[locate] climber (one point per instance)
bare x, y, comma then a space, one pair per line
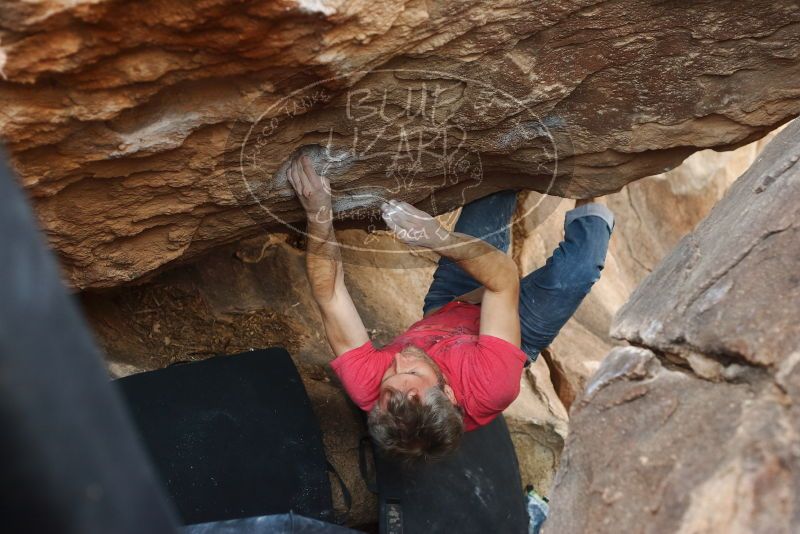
459, 366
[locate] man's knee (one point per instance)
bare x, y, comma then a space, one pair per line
572, 268
581, 276
586, 255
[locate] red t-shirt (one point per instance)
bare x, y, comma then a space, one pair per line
484, 371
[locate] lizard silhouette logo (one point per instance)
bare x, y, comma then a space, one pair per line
426, 137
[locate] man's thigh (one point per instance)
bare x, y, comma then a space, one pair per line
488, 218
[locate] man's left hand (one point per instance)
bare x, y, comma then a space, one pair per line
313, 191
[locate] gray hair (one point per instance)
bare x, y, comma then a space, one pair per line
412, 429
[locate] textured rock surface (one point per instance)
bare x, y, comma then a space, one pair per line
652, 215
654, 448
739, 295
537, 421
122, 116
701, 434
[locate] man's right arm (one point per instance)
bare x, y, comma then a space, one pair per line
498, 275
490, 267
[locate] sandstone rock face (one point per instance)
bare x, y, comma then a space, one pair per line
148, 132
652, 215
698, 429
537, 421
737, 272
654, 448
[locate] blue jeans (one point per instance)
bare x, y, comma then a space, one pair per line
549, 295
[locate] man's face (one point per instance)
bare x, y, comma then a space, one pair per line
413, 373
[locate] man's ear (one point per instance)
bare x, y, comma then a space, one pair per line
450, 394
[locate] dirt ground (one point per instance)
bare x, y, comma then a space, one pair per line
168, 321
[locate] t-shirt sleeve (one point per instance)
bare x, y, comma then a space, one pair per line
361, 370
490, 371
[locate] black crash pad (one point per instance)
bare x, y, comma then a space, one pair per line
233, 437
476, 490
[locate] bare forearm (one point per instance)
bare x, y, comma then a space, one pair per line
486, 264
343, 325
323, 261
490, 267
498, 274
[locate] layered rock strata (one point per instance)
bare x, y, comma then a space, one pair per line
150, 132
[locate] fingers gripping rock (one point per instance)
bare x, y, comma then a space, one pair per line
409, 224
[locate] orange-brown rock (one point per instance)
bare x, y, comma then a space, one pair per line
129, 121
696, 429
652, 215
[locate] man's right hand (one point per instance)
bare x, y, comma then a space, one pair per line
313, 191
413, 226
